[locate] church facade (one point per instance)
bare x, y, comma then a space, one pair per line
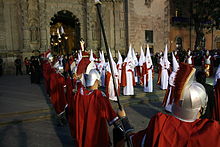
26, 25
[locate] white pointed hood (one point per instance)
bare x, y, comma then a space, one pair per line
129, 55
102, 61
165, 58
113, 64
91, 58
148, 58
102, 57
120, 60
134, 57
142, 58
175, 63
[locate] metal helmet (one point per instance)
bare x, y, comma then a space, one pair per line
190, 96
92, 77
193, 100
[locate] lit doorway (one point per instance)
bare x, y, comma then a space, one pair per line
65, 33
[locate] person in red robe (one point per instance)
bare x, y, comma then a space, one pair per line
183, 127
91, 110
57, 93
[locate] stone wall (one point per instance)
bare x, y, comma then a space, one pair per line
149, 16
25, 26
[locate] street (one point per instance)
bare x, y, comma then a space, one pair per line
27, 118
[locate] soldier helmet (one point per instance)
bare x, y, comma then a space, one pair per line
190, 96
92, 77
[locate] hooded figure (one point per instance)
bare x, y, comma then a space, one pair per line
101, 68
110, 91
167, 102
142, 64
119, 66
165, 67
148, 76
127, 80
136, 65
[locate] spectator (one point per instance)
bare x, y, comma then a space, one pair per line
18, 65
27, 65
201, 78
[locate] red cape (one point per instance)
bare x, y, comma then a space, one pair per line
81, 68
58, 97
166, 130
123, 75
90, 111
107, 81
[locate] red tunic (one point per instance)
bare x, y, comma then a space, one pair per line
58, 97
123, 75
81, 68
91, 110
166, 130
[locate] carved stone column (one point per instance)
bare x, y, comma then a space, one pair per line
43, 31
34, 24
2, 28
25, 28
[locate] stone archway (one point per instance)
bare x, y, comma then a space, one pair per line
64, 32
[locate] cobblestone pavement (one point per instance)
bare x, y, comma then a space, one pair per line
27, 118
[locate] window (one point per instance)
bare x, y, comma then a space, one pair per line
149, 36
148, 2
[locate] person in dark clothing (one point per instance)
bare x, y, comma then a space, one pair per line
1, 66
27, 65
201, 78
18, 66
35, 70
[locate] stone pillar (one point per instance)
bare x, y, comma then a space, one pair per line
2, 28
43, 31
25, 28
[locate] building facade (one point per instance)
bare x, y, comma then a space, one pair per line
26, 26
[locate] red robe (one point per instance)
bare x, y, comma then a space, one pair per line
90, 111
124, 77
70, 96
216, 111
58, 97
108, 76
81, 68
166, 130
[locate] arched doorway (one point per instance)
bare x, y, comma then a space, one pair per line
65, 33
